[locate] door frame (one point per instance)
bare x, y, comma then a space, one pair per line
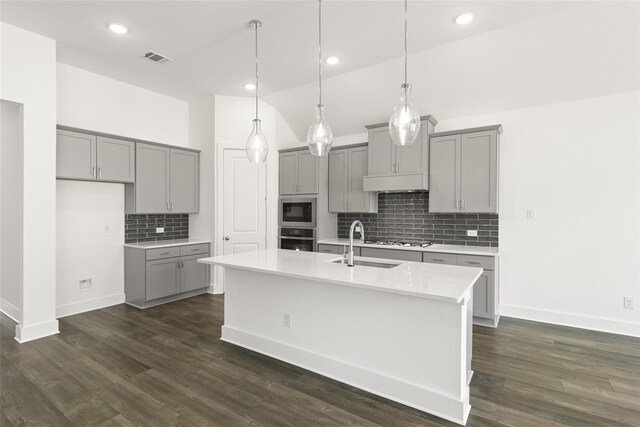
217, 273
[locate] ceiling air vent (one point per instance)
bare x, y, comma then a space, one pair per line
155, 57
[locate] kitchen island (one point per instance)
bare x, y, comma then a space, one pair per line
401, 330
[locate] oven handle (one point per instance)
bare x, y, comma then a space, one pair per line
297, 238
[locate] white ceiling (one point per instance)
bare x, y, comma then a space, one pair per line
212, 47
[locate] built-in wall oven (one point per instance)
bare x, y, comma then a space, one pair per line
297, 212
298, 239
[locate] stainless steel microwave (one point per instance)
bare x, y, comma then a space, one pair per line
297, 212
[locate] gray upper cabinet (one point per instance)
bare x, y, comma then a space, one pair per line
464, 170
152, 179
298, 172
75, 155
398, 168
89, 157
347, 168
115, 160
184, 181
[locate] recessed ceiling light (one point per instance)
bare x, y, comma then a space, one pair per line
332, 60
250, 86
464, 19
118, 28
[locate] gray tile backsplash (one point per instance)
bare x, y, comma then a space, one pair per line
142, 227
405, 216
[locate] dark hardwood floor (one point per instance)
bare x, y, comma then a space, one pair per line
121, 366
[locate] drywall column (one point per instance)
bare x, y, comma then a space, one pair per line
28, 77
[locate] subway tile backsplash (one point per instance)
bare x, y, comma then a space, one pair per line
142, 227
405, 216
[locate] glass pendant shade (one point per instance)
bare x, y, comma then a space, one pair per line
257, 148
319, 136
404, 123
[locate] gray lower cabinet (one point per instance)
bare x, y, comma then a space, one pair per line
347, 168
464, 170
336, 249
167, 181
160, 275
83, 156
298, 172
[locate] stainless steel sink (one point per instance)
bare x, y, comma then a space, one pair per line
367, 263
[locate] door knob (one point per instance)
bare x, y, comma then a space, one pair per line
226, 237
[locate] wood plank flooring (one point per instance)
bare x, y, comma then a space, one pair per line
165, 366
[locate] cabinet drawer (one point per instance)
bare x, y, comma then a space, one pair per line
485, 262
163, 253
194, 249
331, 249
438, 258
396, 254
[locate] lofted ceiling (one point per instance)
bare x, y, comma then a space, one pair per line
212, 47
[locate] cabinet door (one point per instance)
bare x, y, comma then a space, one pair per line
162, 278
338, 180
479, 172
381, 152
331, 249
307, 173
75, 155
444, 183
358, 200
115, 160
414, 158
483, 298
152, 179
193, 275
288, 175
184, 181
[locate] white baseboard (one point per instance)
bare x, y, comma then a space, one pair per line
10, 310
39, 330
88, 305
398, 390
215, 289
573, 320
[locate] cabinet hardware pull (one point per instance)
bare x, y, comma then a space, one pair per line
462, 204
457, 202
167, 205
93, 171
164, 253
99, 172
438, 259
472, 262
195, 250
171, 205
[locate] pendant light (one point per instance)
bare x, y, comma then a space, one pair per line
257, 148
404, 123
319, 136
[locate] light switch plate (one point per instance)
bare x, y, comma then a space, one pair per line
472, 233
531, 214
159, 229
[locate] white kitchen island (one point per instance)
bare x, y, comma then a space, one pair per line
403, 333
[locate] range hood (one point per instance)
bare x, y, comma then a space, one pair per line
396, 169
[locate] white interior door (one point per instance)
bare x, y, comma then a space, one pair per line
243, 203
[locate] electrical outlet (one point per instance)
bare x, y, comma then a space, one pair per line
159, 229
472, 233
531, 214
628, 302
286, 320
85, 283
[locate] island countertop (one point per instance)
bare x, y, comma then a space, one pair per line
447, 283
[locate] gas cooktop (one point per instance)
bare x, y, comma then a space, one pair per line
398, 243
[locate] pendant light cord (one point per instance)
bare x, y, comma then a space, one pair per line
405, 41
320, 52
256, 27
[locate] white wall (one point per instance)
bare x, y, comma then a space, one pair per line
11, 189
94, 102
28, 77
90, 227
578, 164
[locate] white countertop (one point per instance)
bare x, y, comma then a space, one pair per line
166, 243
447, 283
451, 249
